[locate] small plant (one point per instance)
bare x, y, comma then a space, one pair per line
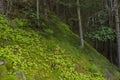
11, 77
49, 31
102, 34
21, 22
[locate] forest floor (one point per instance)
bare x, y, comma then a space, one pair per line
49, 54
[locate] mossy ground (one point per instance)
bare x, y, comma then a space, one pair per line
51, 54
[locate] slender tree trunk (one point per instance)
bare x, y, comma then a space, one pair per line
9, 7
45, 9
1, 7
111, 50
110, 13
38, 11
117, 29
111, 25
80, 25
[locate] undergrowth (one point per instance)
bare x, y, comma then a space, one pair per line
47, 55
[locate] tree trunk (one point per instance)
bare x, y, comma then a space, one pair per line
80, 25
9, 7
38, 11
2, 10
45, 9
111, 50
117, 29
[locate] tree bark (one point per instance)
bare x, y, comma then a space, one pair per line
38, 11
80, 25
2, 7
45, 9
117, 29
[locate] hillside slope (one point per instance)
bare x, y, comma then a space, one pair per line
51, 54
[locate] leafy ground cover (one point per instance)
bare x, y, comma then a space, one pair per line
51, 54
